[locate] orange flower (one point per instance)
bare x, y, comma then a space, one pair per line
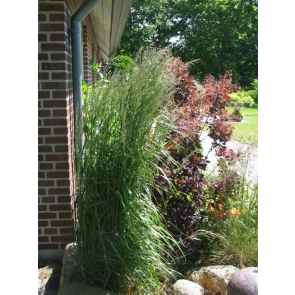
216, 214
234, 212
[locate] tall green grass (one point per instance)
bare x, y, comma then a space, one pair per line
120, 235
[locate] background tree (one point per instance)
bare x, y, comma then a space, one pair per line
223, 34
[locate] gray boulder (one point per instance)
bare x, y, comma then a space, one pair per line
244, 282
185, 287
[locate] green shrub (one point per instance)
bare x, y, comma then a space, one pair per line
247, 104
254, 105
233, 104
122, 63
251, 93
241, 97
255, 91
235, 97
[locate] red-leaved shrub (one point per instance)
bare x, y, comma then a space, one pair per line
184, 192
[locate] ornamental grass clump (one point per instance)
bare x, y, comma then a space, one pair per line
234, 239
120, 236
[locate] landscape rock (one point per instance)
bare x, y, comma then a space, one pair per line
244, 282
48, 276
44, 275
185, 287
70, 269
213, 278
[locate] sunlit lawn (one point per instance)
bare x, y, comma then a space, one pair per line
246, 131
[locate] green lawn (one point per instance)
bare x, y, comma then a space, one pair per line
245, 131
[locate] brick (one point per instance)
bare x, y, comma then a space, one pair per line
43, 94
64, 199
60, 113
62, 139
58, 37
44, 113
60, 157
42, 56
46, 215
41, 17
42, 208
60, 207
55, 122
45, 166
45, 149
42, 28
39, 104
47, 246
58, 17
60, 94
58, 191
42, 38
54, 66
55, 104
64, 182
41, 192
40, 122
66, 230
60, 66
46, 66
43, 239
47, 200
62, 166
51, 7
44, 131
53, 47
41, 175
42, 223
40, 158
40, 140
60, 131
39, 231
59, 174
61, 149
54, 85
43, 76
50, 231
45, 183
60, 76
62, 238
61, 223
65, 215
59, 56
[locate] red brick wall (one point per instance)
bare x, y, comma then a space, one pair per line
56, 121
90, 51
